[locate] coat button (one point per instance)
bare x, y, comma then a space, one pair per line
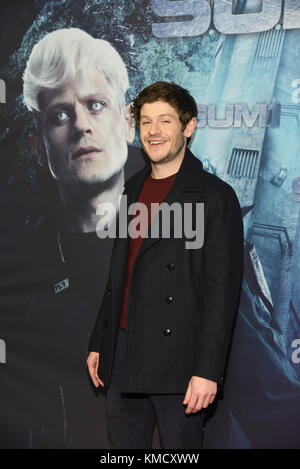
171, 266
167, 332
109, 292
105, 323
169, 299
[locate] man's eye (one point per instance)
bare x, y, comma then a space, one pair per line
166, 122
145, 122
96, 106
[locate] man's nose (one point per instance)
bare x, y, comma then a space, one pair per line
154, 128
82, 120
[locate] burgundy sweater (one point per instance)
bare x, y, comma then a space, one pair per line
153, 191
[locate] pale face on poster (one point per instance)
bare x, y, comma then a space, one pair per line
84, 131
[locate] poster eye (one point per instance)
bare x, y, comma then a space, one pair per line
97, 106
61, 116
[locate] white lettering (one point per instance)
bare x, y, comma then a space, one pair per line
225, 19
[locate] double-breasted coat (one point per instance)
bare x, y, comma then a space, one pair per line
182, 302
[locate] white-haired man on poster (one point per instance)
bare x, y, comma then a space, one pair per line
75, 87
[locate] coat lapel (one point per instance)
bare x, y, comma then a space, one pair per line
129, 196
188, 187
120, 252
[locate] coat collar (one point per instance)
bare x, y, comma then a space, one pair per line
187, 187
190, 178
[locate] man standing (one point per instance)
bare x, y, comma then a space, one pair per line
161, 339
54, 275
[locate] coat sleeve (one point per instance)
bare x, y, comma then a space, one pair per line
223, 270
94, 344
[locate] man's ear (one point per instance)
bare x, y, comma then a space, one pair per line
130, 122
190, 127
37, 144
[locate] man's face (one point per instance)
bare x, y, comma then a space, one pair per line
84, 132
161, 133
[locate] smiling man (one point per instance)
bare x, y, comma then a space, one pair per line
56, 272
163, 138
161, 338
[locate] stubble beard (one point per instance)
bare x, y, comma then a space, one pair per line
171, 156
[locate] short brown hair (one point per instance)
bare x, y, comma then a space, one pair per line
171, 93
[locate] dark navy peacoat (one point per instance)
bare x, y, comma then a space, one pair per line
182, 302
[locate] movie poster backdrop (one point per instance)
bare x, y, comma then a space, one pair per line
240, 59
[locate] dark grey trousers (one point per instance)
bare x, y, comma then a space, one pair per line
131, 417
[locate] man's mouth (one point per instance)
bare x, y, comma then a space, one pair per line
85, 151
156, 142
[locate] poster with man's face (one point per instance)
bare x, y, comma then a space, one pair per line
68, 74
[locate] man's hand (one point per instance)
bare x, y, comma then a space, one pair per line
200, 393
93, 363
